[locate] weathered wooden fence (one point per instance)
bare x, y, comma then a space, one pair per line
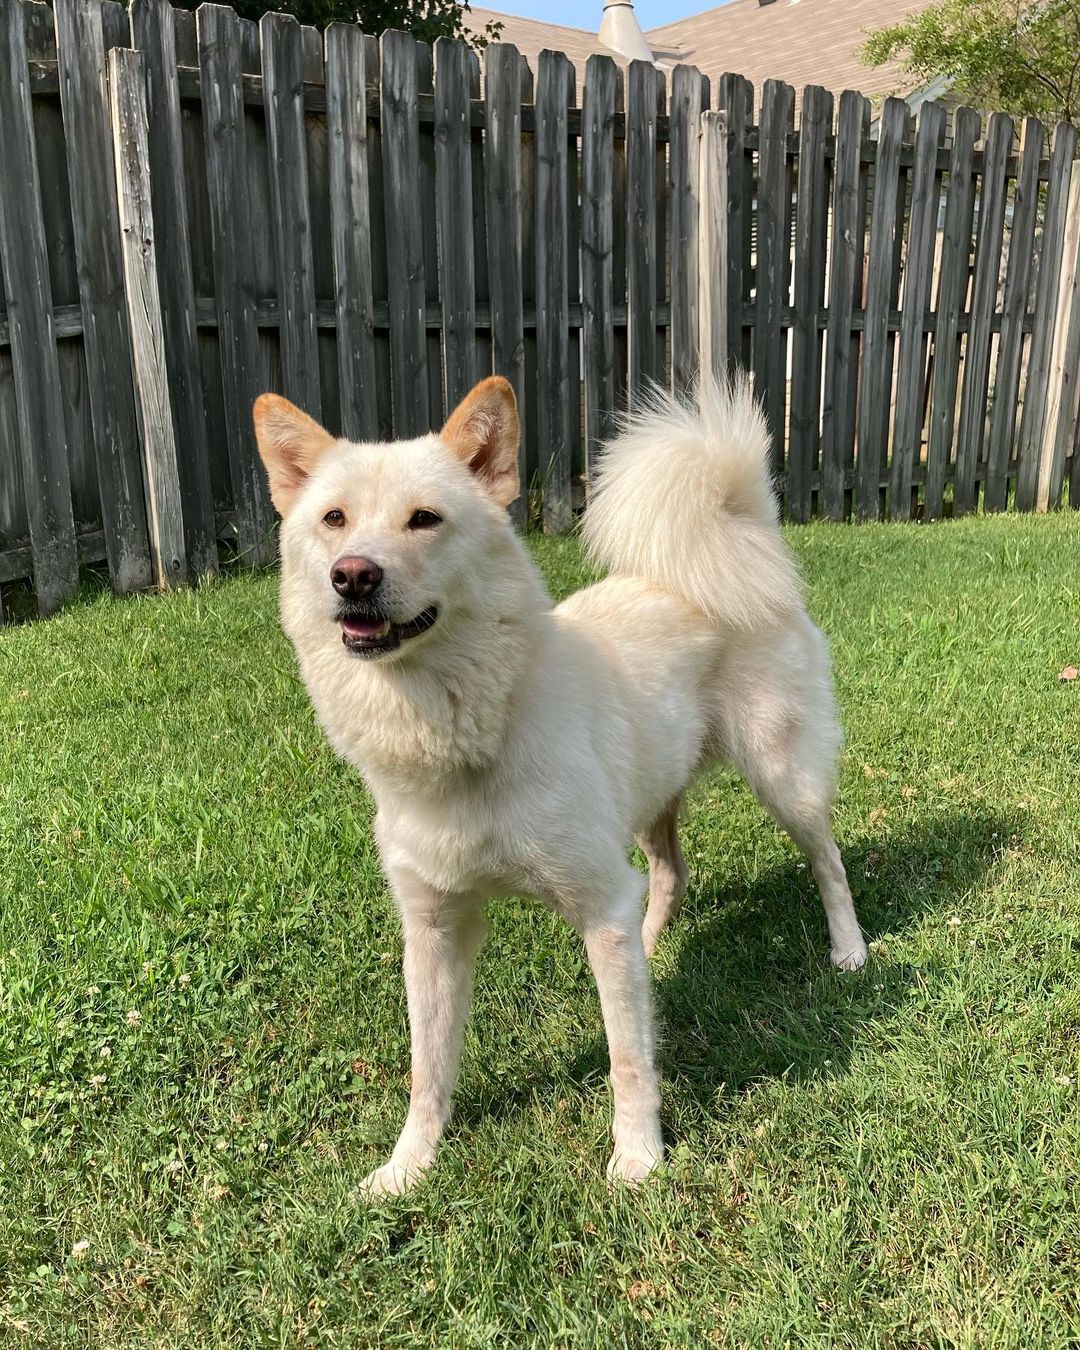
369, 226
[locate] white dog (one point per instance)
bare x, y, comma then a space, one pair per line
516, 748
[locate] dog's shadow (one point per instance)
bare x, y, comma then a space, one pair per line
750, 994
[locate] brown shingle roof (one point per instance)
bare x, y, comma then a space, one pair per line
801, 41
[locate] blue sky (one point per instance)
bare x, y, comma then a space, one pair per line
587, 13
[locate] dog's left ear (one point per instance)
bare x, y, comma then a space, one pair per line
290, 444
483, 431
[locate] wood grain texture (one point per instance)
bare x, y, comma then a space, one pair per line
641, 197
224, 138
406, 272
282, 69
918, 277
457, 80
876, 366
81, 48
554, 92
1036, 392
971, 429
504, 211
127, 104
1005, 407
811, 220
598, 250
952, 293
1064, 382
844, 279
42, 439
689, 100
347, 79
770, 274
153, 33
713, 319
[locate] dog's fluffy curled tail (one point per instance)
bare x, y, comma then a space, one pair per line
684, 499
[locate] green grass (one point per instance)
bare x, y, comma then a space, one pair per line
202, 1030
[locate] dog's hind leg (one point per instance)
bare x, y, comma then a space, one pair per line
668, 873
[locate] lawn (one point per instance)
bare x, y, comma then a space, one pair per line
202, 1030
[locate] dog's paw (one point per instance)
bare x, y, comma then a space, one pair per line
850, 957
631, 1169
390, 1179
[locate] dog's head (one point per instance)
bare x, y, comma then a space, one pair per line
380, 541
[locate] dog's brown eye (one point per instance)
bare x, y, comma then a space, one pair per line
424, 520
335, 519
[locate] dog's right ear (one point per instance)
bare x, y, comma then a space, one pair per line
290, 445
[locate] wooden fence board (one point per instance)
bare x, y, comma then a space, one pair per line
952, 289
689, 100
598, 249
840, 375
106, 338
457, 80
404, 235
127, 96
641, 265
735, 100
1033, 417
773, 242
1003, 414
877, 368
918, 277
350, 222
1061, 405
972, 425
811, 222
31, 331
153, 33
220, 42
554, 92
282, 68
502, 185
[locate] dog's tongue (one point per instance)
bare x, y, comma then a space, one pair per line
366, 628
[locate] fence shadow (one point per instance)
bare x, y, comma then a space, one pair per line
751, 995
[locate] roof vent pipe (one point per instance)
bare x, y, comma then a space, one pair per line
621, 31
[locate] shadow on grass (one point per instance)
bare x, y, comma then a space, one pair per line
752, 995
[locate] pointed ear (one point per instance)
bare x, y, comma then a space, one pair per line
484, 433
290, 445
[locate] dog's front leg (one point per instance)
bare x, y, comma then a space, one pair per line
614, 945
442, 937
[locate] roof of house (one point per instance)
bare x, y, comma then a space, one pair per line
800, 41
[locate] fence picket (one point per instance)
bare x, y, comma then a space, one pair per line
127, 98
153, 33
502, 182
770, 277
283, 92
598, 248
689, 100
350, 224
840, 376
457, 80
641, 270
1061, 409
972, 426
106, 336
404, 235
1014, 311
952, 288
918, 277
1033, 417
811, 217
554, 92
32, 331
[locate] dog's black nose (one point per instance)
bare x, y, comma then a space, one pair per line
354, 578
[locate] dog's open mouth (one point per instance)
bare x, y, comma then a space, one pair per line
369, 633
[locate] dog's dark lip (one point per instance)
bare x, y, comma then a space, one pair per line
391, 639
